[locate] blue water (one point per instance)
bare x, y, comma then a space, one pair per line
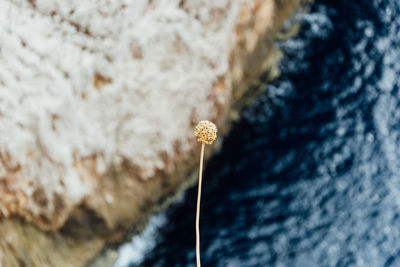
310, 176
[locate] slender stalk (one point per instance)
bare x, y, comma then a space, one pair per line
206, 133
198, 207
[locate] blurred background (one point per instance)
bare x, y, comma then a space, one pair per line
310, 175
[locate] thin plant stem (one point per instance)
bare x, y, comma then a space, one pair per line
206, 133
198, 207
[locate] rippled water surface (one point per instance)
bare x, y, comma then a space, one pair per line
310, 176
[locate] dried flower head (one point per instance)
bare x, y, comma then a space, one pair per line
206, 132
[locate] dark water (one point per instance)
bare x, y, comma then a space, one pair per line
310, 176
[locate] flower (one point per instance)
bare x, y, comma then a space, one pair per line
206, 132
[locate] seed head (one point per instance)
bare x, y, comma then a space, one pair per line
206, 132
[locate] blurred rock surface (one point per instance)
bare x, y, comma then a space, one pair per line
98, 101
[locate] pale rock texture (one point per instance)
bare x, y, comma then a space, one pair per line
98, 101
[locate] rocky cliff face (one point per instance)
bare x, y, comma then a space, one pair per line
98, 100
